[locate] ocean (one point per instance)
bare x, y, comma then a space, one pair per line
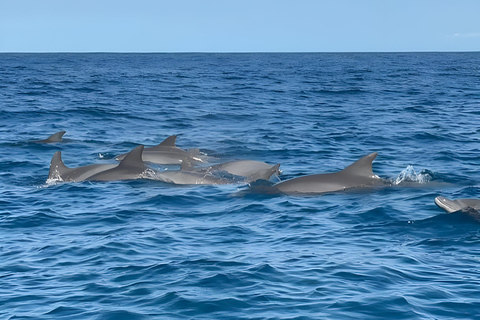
144, 249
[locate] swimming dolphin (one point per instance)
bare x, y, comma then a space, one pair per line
131, 167
250, 169
358, 174
60, 172
56, 137
167, 153
188, 176
451, 206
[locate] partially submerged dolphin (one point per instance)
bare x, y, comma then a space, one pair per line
188, 176
466, 205
56, 137
250, 169
358, 174
167, 153
129, 168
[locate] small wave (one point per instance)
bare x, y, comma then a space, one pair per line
410, 175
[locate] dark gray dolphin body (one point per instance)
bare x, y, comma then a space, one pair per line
131, 167
60, 172
467, 205
167, 153
56, 137
358, 174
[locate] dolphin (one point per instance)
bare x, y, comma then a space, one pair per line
131, 167
60, 172
167, 153
186, 175
466, 205
56, 137
250, 169
358, 174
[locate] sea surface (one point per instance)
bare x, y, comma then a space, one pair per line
144, 249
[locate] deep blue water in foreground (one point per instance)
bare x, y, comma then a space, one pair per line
148, 250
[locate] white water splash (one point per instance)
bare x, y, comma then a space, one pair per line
409, 175
54, 178
148, 174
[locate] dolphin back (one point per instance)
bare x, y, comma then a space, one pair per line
129, 168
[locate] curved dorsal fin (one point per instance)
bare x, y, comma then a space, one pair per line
133, 158
362, 167
56, 137
169, 142
264, 174
186, 165
57, 167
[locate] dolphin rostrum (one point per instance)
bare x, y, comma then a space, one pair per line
358, 174
467, 205
167, 153
60, 172
56, 137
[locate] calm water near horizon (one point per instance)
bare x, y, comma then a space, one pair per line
150, 250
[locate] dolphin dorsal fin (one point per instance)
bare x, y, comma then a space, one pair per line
57, 167
186, 165
56, 137
362, 167
169, 142
133, 158
264, 174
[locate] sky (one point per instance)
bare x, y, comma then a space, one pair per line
239, 26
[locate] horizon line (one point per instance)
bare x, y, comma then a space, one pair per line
230, 52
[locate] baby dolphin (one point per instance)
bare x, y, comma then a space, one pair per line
56, 137
167, 153
358, 174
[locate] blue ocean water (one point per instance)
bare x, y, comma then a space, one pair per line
148, 250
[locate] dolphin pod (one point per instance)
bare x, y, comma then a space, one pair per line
131, 166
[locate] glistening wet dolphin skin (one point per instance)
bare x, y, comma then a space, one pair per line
60, 172
451, 206
167, 153
358, 174
56, 137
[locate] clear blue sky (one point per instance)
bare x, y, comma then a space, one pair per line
239, 26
